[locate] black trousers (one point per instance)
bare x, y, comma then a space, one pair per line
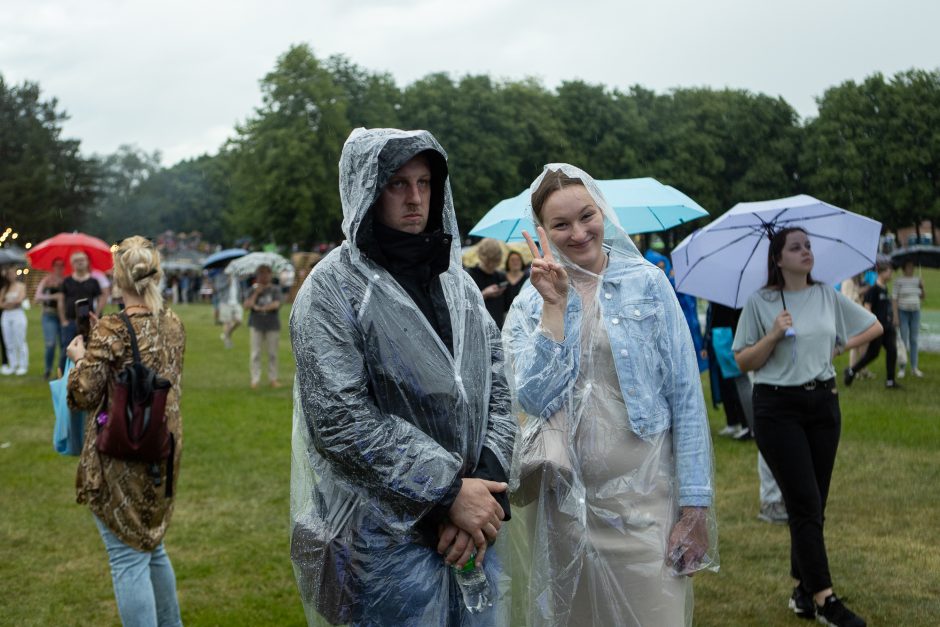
890, 341
734, 410
797, 431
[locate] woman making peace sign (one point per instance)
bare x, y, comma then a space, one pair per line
600, 352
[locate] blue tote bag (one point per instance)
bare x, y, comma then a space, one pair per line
69, 428
722, 339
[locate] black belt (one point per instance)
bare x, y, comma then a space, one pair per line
809, 386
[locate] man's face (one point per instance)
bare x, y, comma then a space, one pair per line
79, 262
406, 198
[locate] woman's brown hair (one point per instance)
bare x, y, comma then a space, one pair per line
553, 181
777, 241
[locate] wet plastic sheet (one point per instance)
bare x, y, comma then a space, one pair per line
386, 417
612, 477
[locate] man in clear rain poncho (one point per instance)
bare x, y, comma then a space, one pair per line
403, 436
612, 477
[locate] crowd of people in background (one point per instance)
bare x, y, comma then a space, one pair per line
573, 358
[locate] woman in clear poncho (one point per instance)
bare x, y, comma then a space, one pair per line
612, 476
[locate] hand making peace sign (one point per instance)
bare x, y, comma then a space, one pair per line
547, 275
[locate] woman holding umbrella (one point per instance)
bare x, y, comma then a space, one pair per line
619, 508
788, 334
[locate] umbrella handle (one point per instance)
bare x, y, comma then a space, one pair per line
791, 332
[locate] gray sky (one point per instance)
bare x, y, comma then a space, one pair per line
177, 75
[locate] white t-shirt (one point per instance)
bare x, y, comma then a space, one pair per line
822, 318
232, 292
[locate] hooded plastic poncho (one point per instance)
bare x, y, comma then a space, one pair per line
387, 415
612, 476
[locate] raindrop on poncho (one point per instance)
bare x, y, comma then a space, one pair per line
613, 476
387, 415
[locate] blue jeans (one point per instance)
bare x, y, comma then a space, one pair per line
52, 335
68, 332
910, 329
144, 583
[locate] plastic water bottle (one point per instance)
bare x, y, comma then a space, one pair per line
473, 586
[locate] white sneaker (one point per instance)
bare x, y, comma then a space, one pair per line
20, 372
901, 373
917, 373
6, 370
728, 431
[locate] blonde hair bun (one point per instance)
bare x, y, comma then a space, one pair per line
137, 270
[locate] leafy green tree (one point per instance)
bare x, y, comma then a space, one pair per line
874, 147
497, 135
285, 158
117, 214
372, 100
46, 186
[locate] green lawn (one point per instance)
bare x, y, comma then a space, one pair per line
931, 286
229, 537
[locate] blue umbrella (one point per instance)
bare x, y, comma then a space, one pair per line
643, 206
223, 257
507, 219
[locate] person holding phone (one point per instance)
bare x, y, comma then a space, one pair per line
128, 499
599, 349
264, 302
78, 285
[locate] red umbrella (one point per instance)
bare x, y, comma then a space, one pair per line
62, 246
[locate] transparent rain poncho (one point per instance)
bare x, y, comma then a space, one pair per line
612, 474
386, 416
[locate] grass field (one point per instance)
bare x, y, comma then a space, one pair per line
229, 537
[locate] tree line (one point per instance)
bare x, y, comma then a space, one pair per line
873, 148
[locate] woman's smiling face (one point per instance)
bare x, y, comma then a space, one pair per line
575, 225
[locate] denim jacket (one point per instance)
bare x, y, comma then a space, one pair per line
654, 356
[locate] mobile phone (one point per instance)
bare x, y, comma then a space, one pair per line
83, 318
502, 284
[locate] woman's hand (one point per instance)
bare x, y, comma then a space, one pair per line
76, 349
547, 275
688, 541
492, 291
782, 322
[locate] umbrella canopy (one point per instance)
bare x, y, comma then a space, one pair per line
62, 246
921, 255
726, 261
12, 255
249, 264
219, 259
643, 205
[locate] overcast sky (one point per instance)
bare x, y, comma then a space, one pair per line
177, 75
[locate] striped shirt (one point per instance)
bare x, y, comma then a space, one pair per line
907, 292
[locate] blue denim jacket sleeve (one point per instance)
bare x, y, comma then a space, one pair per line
691, 435
542, 369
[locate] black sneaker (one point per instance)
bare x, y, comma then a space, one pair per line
833, 612
801, 602
848, 375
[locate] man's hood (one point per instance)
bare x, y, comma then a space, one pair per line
370, 157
